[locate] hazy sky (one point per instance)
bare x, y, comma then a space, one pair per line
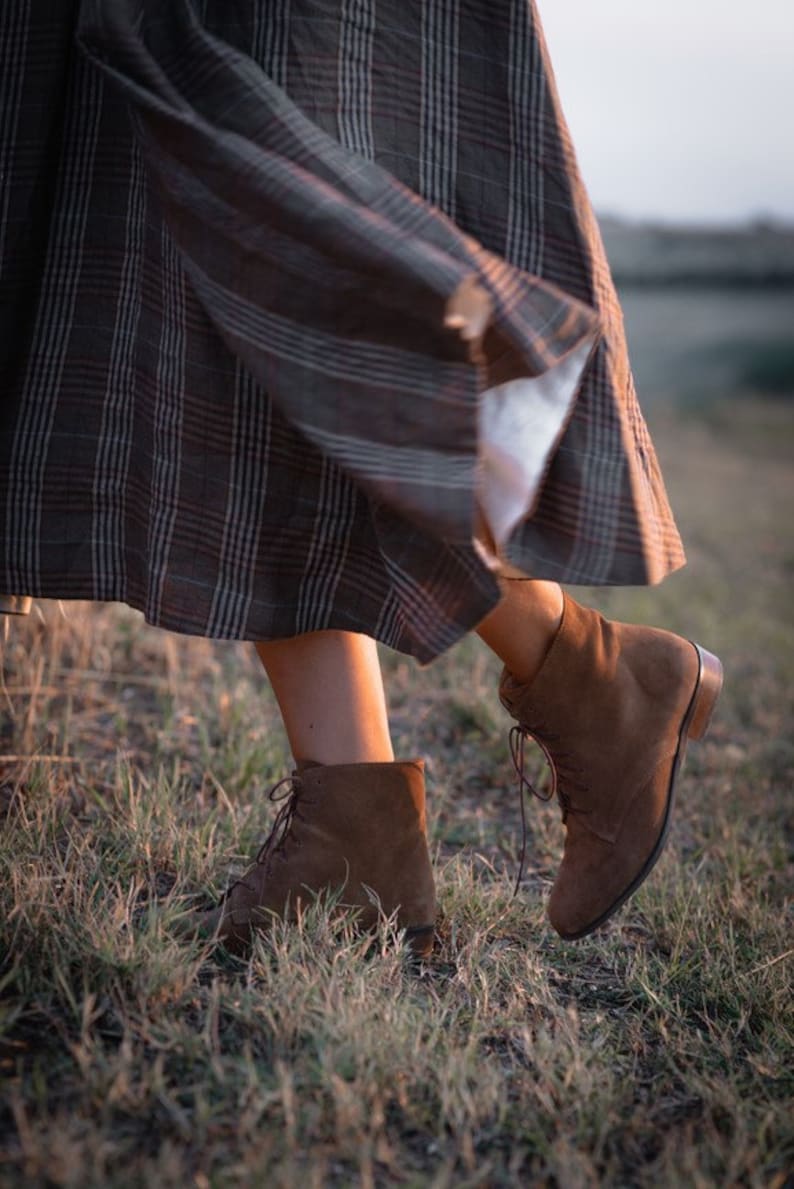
682, 109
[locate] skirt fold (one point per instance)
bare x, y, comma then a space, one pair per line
237, 406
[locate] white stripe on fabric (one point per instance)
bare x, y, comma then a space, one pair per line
408, 464
325, 561
251, 413
271, 39
52, 332
390, 624
602, 469
420, 610
247, 491
167, 429
525, 230
439, 99
329, 354
114, 445
354, 76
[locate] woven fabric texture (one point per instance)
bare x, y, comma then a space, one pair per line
228, 232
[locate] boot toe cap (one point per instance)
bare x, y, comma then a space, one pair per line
596, 877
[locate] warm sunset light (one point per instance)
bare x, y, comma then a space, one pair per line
396, 649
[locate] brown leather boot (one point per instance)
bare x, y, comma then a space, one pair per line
612, 708
358, 829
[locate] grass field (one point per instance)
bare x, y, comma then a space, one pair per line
658, 1052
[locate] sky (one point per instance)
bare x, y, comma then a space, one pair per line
682, 110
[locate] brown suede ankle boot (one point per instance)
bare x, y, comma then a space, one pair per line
358, 829
611, 707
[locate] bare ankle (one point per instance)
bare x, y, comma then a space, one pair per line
523, 626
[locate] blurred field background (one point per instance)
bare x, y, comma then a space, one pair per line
659, 1052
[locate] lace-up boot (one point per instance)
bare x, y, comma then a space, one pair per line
611, 707
356, 829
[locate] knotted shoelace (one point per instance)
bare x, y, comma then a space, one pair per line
275, 843
518, 738
288, 809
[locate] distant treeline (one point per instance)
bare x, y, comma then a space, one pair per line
758, 254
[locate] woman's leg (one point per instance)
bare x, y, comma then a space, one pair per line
330, 692
521, 628
354, 820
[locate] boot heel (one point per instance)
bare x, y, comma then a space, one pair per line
420, 940
706, 693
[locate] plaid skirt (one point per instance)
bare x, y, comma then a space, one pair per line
228, 234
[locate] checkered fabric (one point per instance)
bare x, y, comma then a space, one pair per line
228, 233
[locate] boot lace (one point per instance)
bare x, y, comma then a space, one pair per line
286, 793
565, 778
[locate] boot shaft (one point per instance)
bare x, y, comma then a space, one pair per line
608, 698
363, 827
353, 830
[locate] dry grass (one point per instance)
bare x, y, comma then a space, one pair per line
659, 1052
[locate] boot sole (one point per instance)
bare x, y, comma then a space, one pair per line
420, 940
694, 725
